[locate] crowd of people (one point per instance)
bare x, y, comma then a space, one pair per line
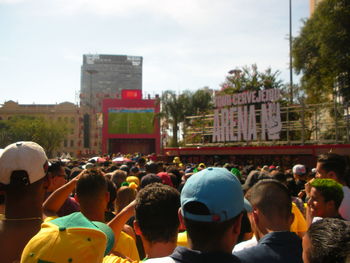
99, 210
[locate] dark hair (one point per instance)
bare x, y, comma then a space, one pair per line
175, 176
125, 195
91, 184
118, 177
156, 212
141, 161
55, 166
330, 190
330, 241
279, 176
112, 195
205, 234
151, 168
272, 198
134, 170
335, 163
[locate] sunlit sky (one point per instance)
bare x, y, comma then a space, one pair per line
185, 44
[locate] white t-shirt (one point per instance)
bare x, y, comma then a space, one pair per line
245, 244
344, 209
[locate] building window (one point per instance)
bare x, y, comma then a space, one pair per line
65, 143
72, 120
71, 143
71, 131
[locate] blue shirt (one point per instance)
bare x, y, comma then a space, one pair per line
275, 247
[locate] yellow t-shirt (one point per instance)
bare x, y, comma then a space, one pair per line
126, 246
299, 225
116, 259
182, 239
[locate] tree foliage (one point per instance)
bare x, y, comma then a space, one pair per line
250, 78
49, 134
322, 51
176, 107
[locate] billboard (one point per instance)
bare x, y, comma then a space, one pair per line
131, 120
238, 116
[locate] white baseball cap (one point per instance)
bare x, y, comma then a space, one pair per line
25, 156
299, 169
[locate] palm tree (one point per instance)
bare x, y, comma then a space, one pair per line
174, 109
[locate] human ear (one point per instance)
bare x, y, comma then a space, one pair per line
237, 226
181, 219
137, 228
255, 216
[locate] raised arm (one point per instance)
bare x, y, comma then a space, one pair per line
55, 201
121, 218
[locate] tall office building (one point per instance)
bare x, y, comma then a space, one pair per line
105, 76
313, 5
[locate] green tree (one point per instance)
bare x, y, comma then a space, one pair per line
176, 107
250, 78
201, 101
322, 51
49, 134
173, 110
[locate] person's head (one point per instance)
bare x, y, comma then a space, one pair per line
156, 211
149, 179
72, 238
212, 203
279, 176
165, 177
118, 177
23, 170
134, 171
299, 171
141, 162
125, 195
332, 166
112, 194
272, 206
151, 168
56, 175
326, 196
92, 190
327, 241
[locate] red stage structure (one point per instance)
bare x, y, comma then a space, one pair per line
130, 124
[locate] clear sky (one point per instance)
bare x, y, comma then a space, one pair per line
185, 44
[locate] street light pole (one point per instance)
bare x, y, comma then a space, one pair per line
290, 53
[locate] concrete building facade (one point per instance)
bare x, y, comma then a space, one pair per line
105, 76
66, 112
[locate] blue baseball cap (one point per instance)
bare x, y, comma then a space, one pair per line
219, 190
